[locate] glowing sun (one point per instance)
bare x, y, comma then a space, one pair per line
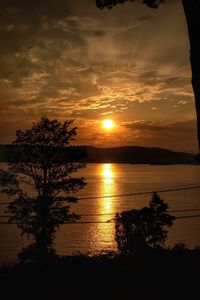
108, 124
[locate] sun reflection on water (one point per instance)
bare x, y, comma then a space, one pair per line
106, 206
108, 187
107, 174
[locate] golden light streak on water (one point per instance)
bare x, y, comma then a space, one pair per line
107, 173
106, 206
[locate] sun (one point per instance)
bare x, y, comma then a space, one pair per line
108, 124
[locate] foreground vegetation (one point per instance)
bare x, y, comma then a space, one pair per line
160, 274
142, 269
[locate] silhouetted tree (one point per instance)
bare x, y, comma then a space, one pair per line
138, 229
192, 13
40, 179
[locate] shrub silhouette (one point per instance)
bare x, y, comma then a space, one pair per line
139, 229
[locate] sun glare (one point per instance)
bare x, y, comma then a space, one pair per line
108, 124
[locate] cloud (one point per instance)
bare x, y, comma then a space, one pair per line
179, 136
67, 59
155, 126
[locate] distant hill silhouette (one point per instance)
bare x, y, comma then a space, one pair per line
126, 154
137, 155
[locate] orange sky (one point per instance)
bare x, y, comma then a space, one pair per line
130, 64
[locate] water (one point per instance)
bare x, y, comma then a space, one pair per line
95, 233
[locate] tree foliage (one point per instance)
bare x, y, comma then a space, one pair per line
110, 3
138, 229
40, 180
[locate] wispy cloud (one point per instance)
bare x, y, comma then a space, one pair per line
68, 61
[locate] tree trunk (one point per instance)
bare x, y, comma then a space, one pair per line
192, 13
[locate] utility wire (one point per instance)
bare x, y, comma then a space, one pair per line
113, 214
100, 222
175, 189
143, 193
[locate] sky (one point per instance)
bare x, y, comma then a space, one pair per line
66, 59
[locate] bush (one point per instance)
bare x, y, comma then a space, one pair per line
139, 229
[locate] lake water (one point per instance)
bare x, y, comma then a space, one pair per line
96, 232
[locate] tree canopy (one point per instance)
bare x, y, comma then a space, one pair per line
41, 181
111, 3
138, 229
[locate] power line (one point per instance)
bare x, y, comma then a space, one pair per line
143, 193
113, 214
187, 217
100, 222
169, 211
175, 189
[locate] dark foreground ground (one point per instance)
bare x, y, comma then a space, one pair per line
167, 275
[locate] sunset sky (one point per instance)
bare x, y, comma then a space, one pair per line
69, 60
